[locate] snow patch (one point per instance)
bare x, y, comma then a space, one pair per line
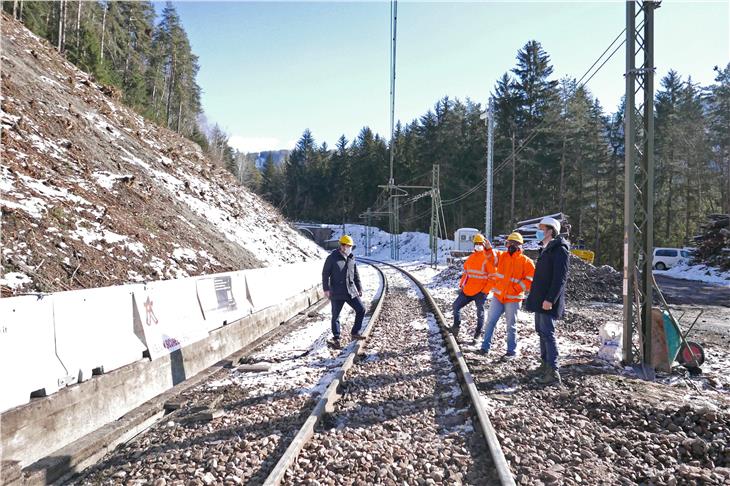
701, 273
107, 179
15, 280
184, 254
95, 233
135, 247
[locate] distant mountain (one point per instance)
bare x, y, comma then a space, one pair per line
279, 157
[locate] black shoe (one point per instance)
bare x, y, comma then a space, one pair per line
455, 330
335, 343
508, 357
357, 337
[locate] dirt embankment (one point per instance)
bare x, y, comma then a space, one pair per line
92, 194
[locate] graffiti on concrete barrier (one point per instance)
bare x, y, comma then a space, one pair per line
151, 318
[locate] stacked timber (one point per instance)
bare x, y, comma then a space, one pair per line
713, 242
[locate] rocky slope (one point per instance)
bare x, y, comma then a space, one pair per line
94, 195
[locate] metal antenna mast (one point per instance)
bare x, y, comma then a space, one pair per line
490, 170
393, 203
639, 182
436, 211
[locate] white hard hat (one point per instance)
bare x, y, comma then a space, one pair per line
551, 222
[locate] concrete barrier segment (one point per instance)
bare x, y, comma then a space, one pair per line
27, 350
94, 330
169, 316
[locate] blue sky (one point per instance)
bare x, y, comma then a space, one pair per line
271, 69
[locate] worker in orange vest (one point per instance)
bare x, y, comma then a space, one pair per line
512, 281
474, 284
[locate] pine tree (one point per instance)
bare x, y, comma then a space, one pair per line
719, 128
268, 180
537, 111
299, 161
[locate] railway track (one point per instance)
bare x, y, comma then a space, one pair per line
399, 407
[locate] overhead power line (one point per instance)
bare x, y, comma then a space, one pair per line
535, 131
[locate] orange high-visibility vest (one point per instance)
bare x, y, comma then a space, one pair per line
512, 277
476, 274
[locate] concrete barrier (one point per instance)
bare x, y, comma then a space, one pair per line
223, 298
31, 434
95, 330
28, 361
169, 316
267, 286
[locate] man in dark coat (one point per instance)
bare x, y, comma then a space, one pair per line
341, 283
547, 295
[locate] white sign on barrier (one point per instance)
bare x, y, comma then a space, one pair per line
223, 298
95, 330
28, 360
169, 315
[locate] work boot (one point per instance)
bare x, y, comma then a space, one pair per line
540, 370
455, 331
335, 343
551, 376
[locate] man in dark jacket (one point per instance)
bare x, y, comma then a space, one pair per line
547, 295
341, 283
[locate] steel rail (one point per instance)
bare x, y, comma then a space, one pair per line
328, 398
490, 436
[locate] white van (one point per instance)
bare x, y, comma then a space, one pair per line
668, 257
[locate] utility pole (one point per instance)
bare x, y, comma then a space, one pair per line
368, 223
512, 219
490, 169
639, 183
393, 204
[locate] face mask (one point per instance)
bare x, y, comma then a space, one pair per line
540, 235
347, 250
511, 249
478, 247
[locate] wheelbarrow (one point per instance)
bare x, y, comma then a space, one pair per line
687, 353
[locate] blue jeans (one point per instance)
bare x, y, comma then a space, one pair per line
545, 327
464, 299
357, 306
496, 309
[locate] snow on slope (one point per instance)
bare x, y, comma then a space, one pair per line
413, 246
92, 194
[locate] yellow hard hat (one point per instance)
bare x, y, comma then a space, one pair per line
346, 240
479, 238
516, 237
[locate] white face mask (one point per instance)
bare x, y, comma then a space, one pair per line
347, 250
478, 247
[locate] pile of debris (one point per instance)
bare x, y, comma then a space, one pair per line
589, 283
585, 282
713, 244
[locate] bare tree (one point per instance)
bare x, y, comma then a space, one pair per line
103, 29
78, 26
